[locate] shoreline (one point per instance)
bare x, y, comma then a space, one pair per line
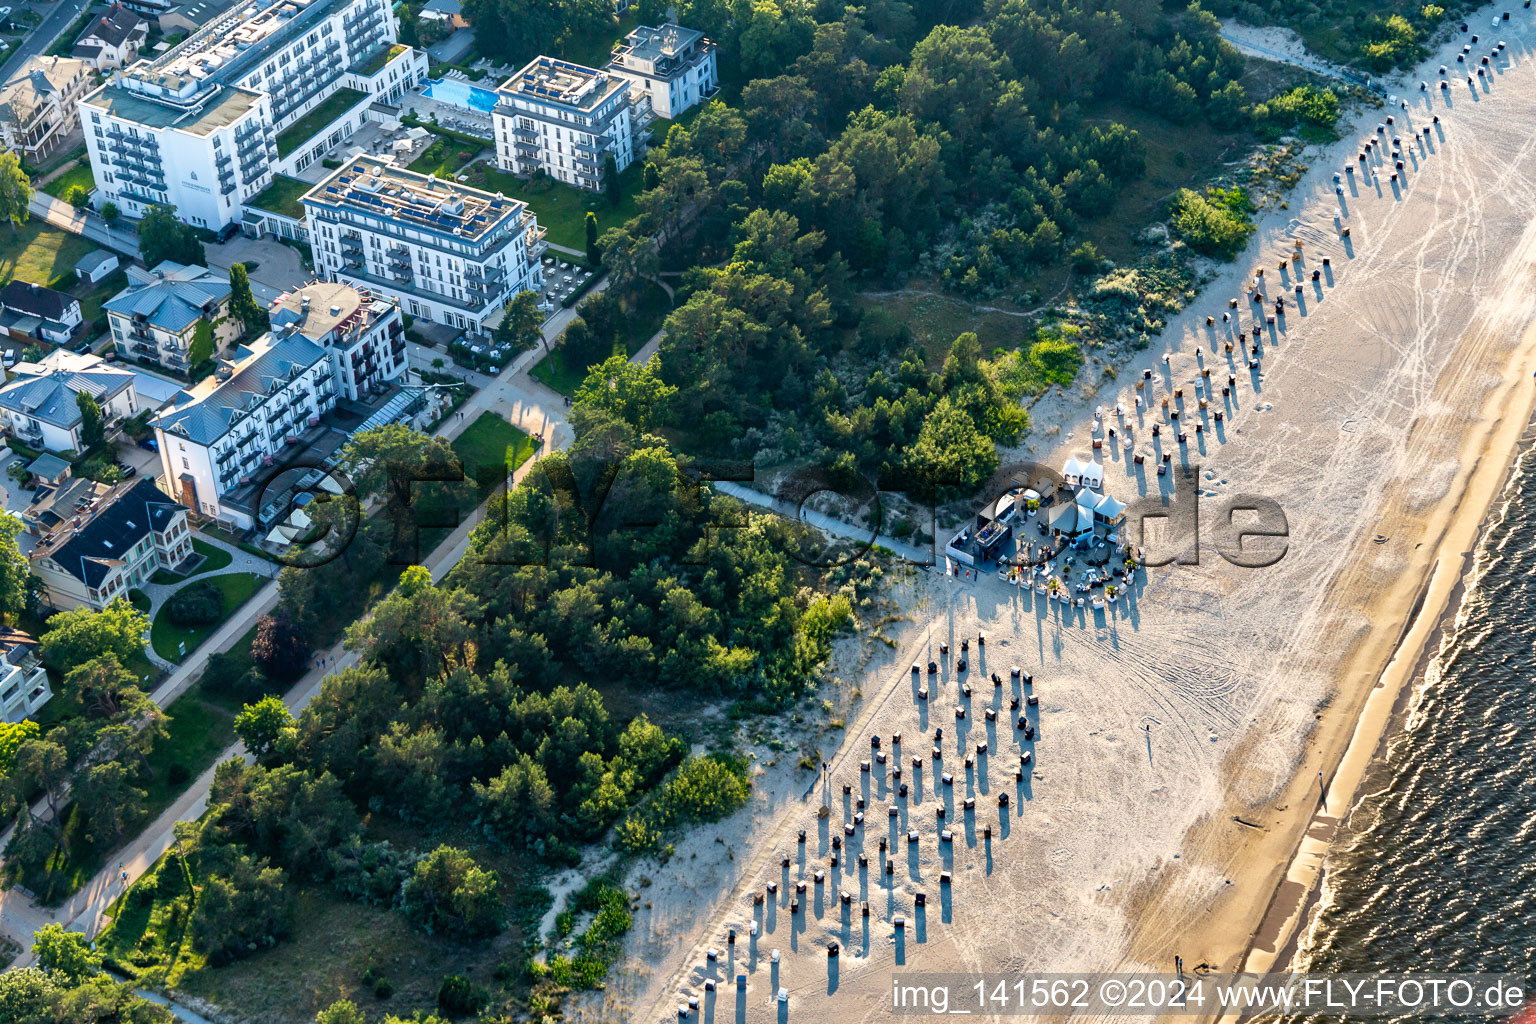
1287, 862
1399, 423
1443, 584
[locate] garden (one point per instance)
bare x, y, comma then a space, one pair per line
191, 613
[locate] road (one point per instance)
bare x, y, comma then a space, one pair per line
87, 224
42, 37
513, 395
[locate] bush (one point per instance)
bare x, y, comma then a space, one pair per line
178, 774
197, 604
1216, 224
460, 997
1085, 258
232, 677
449, 892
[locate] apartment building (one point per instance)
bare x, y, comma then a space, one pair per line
566, 119
110, 544
23, 680
449, 253
362, 333
38, 104
40, 406
156, 316
218, 436
673, 65
263, 88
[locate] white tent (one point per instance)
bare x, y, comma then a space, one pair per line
1109, 510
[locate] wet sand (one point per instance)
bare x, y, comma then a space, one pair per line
1382, 420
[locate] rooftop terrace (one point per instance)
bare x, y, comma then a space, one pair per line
370, 185
560, 81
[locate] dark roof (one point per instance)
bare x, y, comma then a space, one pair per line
35, 299
113, 28
90, 554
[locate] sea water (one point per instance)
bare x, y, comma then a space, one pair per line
1435, 868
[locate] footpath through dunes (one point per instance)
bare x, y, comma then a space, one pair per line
1378, 412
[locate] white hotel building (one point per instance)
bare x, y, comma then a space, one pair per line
218, 438
265, 88
566, 119
451, 254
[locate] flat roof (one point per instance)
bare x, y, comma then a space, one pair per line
370, 185
560, 81
223, 108
652, 43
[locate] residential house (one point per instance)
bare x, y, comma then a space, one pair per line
263, 88
448, 12
96, 266
40, 406
674, 66
112, 40
114, 542
449, 253
33, 311
23, 680
38, 105
567, 119
156, 316
362, 333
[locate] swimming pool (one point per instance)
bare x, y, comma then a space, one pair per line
460, 94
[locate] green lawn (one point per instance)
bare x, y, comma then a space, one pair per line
305, 128
166, 636
561, 208
444, 158
214, 559
641, 322
490, 449
38, 253
93, 297
376, 63
80, 174
282, 196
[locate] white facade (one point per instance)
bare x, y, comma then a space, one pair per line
202, 126
38, 104
449, 253
364, 334
222, 432
156, 316
566, 119
23, 685
673, 66
115, 544
40, 405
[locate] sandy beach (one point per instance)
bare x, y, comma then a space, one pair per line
1382, 419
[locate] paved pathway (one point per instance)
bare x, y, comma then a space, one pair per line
824, 522
515, 396
87, 223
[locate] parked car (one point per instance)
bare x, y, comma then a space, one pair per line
127, 469
149, 444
